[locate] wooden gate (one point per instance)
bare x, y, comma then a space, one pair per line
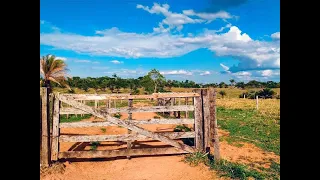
204, 131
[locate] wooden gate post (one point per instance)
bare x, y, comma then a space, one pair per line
45, 124
206, 118
129, 143
213, 124
198, 121
55, 128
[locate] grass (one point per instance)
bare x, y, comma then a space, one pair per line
73, 118
231, 92
249, 126
268, 108
117, 115
94, 145
233, 170
103, 130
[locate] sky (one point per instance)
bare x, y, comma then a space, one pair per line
207, 41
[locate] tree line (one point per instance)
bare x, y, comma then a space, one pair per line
53, 73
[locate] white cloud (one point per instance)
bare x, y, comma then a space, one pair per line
82, 61
208, 16
177, 20
251, 54
242, 73
116, 62
48, 26
266, 72
205, 73
177, 72
100, 67
226, 68
61, 58
95, 62
275, 36
127, 72
269, 72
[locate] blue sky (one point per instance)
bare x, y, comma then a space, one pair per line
204, 40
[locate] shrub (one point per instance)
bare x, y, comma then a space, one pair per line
222, 93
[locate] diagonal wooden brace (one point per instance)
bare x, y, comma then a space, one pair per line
125, 124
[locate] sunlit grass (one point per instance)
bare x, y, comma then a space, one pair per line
266, 107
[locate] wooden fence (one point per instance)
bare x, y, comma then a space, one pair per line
204, 120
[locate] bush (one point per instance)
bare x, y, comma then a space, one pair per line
71, 91
266, 93
135, 92
222, 93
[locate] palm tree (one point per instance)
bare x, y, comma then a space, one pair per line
52, 69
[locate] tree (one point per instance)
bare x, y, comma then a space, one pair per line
222, 93
147, 83
169, 84
240, 85
232, 81
52, 69
223, 85
157, 78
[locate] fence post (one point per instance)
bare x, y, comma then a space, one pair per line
206, 118
129, 143
174, 112
40, 123
257, 102
172, 104
186, 113
55, 128
198, 120
213, 124
45, 138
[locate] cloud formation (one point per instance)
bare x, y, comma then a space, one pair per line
116, 62
205, 73
175, 21
251, 54
177, 72
275, 36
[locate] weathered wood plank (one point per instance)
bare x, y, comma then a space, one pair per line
155, 96
125, 124
214, 125
118, 153
152, 109
122, 137
206, 118
136, 122
91, 96
186, 112
198, 123
129, 143
55, 129
133, 109
127, 96
45, 140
